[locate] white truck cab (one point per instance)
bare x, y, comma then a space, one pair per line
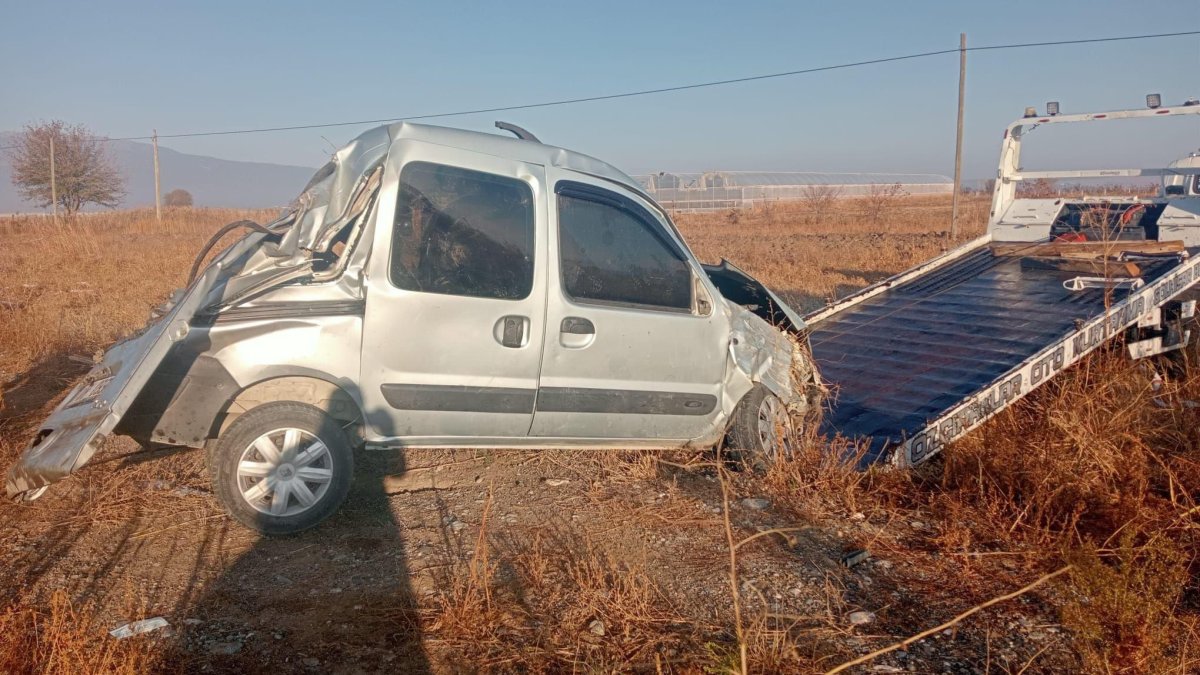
1180, 184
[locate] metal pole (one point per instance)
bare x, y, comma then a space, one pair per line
157, 190
962, 87
53, 183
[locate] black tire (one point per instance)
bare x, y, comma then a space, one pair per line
748, 440
240, 447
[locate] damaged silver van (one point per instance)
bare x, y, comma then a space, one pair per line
434, 287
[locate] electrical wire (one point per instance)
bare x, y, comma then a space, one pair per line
649, 92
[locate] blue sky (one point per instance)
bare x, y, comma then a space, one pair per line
124, 68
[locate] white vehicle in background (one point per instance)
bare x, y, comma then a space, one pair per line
1182, 185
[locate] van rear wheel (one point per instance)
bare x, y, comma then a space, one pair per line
282, 467
760, 432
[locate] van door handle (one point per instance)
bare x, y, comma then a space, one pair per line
577, 325
576, 332
512, 331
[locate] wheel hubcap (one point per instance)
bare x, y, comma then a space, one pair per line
284, 472
773, 427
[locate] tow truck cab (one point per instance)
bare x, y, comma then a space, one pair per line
1182, 185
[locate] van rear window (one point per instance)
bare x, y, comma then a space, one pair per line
462, 232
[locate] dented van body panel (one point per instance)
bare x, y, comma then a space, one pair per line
308, 308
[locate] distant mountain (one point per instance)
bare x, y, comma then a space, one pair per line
212, 182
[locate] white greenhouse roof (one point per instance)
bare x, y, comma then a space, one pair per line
764, 178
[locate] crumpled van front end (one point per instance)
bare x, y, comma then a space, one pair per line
301, 245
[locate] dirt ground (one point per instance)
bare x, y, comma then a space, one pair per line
573, 538
472, 561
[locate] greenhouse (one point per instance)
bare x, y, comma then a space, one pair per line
737, 189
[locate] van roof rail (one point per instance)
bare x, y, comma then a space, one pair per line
517, 131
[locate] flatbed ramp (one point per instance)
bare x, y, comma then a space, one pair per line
920, 359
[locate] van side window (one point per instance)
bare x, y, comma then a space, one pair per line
462, 232
612, 251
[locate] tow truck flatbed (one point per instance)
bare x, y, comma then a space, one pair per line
916, 361
902, 359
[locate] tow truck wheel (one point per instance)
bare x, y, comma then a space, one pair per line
282, 467
760, 432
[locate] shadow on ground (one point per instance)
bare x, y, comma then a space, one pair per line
336, 598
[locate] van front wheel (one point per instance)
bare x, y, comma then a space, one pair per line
282, 467
760, 432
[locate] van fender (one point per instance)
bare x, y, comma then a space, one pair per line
191, 405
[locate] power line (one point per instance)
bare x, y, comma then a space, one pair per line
659, 90
1083, 41
567, 101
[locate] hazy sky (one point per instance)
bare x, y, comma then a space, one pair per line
124, 68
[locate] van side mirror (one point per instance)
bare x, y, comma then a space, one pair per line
1174, 190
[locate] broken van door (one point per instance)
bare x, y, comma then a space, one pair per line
81, 422
456, 295
635, 346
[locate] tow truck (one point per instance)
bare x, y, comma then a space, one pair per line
920, 359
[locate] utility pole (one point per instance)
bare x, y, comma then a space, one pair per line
962, 87
53, 183
158, 191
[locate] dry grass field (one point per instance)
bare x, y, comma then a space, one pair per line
615, 561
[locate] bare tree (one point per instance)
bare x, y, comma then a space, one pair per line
84, 173
881, 199
178, 197
1041, 188
819, 199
